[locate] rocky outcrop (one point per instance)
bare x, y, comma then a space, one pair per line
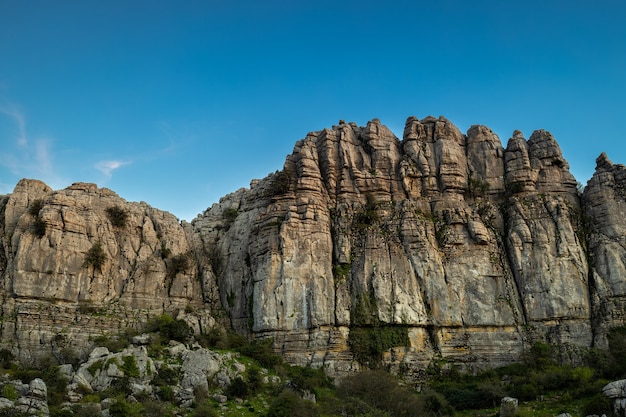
616, 392
30, 399
82, 262
182, 374
605, 210
451, 244
474, 248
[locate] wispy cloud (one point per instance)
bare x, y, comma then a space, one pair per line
43, 155
107, 167
20, 123
24, 156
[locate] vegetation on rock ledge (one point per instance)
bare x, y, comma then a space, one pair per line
95, 256
117, 216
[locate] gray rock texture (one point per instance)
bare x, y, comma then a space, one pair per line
472, 249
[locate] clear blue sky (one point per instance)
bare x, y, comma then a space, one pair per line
178, 103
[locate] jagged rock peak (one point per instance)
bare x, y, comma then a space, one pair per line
603, 163
545, 151
470, 250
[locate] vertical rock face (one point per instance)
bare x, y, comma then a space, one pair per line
605, 210
53, 292
474, 249
449, 244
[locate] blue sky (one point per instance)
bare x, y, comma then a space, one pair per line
178, 103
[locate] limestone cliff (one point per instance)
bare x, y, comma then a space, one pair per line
52, 296
471, 250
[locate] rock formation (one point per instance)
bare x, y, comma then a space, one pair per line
450, 244
53, 298
186, 373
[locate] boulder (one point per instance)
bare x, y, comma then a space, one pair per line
615, 389
508, 407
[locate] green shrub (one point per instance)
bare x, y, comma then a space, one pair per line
308, 378
129, 366
26, 374
85, 410
10, 392
177, 264
230, 214
117, 216
56, 383
477, 187
341, 271
203, 410
279, 184
166, 393
582, 375
515, 187
6, 358
238, 388
165, 252
170, 328
617, 352
95, 257
113, 343
367, 216
599, 404
57, 411
435, 404
166, 376
369, 343
261, 350
215, 337
540, 356
381, 393
236, 341
599, 360
255, 379
121, 408
365, 311
156, 409
35, 207
95, 367
119, 386
39, 227
473, 395
289, 404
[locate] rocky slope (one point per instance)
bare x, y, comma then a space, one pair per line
450, 244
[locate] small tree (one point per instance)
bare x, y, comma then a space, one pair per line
170, 328
95, 257
118, 216
177, 264
35, 207
39, 227
280, 184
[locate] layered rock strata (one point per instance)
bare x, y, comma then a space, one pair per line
473, 247
55, 297
471, 250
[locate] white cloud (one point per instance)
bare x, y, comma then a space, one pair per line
20, 123
43, 156
107, 167
24, 156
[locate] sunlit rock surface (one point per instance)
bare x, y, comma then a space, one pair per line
474, 249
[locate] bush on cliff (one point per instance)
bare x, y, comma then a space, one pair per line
170, 328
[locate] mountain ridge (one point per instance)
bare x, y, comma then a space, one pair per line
449, 244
